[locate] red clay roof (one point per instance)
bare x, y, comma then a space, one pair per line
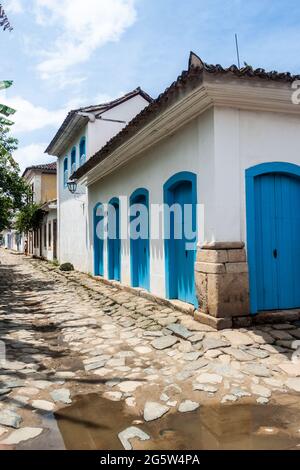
189, 79
49, 168
100, 108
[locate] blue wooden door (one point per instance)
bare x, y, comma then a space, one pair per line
98, 240
139, 243
277, 235
183, 256
114, 242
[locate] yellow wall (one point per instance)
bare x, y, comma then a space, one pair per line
48, 188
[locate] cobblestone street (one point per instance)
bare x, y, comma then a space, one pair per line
67, 335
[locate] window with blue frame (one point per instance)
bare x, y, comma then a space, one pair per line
82, 151
73, 160
66, 174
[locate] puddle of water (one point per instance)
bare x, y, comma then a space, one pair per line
93, 423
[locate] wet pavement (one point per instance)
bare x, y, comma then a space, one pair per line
88, 424
86, 361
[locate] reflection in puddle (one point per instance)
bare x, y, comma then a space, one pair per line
94, 423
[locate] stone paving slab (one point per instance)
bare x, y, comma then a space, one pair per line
68, 334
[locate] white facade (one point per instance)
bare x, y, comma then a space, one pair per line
244, 139
73, 209
13, 240
218, 146
184, 151
45, 238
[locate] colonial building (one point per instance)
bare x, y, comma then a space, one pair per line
42, 180
84, 132
224, 142
12, 240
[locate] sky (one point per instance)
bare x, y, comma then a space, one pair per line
64, 54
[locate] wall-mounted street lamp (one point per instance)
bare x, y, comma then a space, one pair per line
72, 186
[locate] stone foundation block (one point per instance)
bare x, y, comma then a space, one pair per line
282, 316
236, 267
212, 256
222, 282
236, 256
217, 323
228, 294
242, 322
210, 268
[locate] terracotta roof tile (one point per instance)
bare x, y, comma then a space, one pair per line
189, 78
44, 168
100, 108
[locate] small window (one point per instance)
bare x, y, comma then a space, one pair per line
82, 150
49, 235
73, 160
45, 235
66, 174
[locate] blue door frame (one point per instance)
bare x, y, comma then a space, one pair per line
98, 217
140, 248
252, 175
181, 188
113, 240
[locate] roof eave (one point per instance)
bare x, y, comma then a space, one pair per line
165, 124
229, 92
75, 121
67, 135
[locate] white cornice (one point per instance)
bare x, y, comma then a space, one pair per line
274, 97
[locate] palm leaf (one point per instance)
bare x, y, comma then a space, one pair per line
6, 110
5, 84
5, 122
4, 21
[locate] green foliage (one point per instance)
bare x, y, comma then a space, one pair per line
4, 21
66, 267
14, 191
28, 218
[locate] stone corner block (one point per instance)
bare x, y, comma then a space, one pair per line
236, 268
217, 323
212, 256
236, 256
210, 268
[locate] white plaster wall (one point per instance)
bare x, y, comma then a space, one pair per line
100, 132
73, 210
190, 149
218, 146
244, 139
72, 221
36, 180
10, 240
47, 252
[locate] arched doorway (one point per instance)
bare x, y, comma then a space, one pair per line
98, 239
113, 240
180, 199
139, 238
273, 235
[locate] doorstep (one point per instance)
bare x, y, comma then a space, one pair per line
175, 304
277, 316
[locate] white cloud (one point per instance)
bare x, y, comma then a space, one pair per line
30, 117
85, 26
15, 6
32, 154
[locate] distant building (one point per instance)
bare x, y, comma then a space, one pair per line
42, 180
84, 132
12, 240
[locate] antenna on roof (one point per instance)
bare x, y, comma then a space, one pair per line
237, 51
